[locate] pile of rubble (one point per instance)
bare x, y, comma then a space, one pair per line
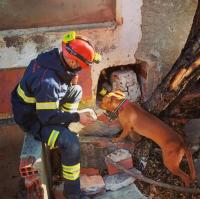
100, 179
114, 184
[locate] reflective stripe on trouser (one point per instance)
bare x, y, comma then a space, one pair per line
68, 143
52, 139
71, 172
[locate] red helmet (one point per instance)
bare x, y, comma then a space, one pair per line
79, 49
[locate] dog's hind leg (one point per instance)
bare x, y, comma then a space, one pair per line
172, 162
190, 164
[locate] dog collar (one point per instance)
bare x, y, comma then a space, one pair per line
113, 115
121, 105
124, 104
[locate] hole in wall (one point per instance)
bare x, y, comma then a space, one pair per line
128, 78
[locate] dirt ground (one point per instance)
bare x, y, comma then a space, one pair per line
155, 170
11, 138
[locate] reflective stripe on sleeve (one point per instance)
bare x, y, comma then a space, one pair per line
47, 105
26, 99
71, 172
52, 139
70, 107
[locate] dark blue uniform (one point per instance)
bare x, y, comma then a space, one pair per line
44, 103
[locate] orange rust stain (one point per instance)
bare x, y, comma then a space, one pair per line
8, 79
85, 80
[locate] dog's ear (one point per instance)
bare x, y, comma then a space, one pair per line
120, 93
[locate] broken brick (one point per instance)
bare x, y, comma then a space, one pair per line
89, 171
122, 157
26, 167
92, 184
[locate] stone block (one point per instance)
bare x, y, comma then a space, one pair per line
101, 127
117, 181
129, 192
92, 184
126, 81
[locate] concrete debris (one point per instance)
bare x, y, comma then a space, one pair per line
118, 181
119, 155
129, 192
126, 81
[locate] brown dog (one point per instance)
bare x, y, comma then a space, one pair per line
135, 119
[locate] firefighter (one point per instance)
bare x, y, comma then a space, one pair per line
46, 99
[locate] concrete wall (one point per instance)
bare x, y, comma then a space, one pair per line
165, 28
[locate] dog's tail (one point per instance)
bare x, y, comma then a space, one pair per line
190, 163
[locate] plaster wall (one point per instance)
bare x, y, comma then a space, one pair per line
165, 28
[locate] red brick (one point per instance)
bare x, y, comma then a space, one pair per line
89, 171
34, 188
127, 164
26, 167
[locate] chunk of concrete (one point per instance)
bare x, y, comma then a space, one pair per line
126, 81
122, 157
130, 192
118, 181
120, 154
31, 147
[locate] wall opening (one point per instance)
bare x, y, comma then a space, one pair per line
130, 79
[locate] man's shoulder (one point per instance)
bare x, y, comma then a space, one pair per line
49, 53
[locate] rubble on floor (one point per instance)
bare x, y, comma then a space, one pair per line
92, 184
192, 132
117, 181
129, 192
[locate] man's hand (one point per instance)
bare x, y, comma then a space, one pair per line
86, 118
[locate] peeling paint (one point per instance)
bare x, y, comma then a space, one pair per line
40, 41
14, 41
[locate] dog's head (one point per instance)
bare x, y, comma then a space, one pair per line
112, 100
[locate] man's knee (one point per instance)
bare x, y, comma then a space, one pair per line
68, 140
70, 147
